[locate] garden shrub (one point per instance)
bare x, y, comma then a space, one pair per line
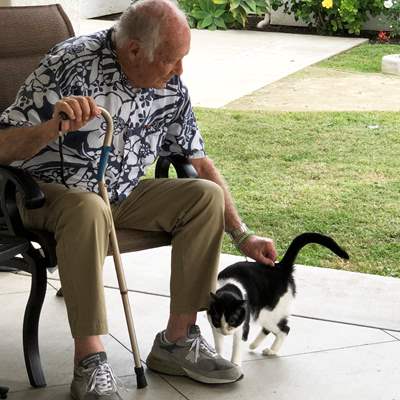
392, 12
332, 16
221, 14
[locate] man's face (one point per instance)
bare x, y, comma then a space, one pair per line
167, 61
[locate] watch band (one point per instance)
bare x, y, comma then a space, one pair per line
240, 234
237, 232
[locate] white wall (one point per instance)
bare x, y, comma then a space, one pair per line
97, 8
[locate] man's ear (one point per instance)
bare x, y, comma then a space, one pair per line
133, 47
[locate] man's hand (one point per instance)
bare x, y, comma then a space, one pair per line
79, 109
259, 249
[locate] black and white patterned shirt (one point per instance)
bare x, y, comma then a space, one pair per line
147, 122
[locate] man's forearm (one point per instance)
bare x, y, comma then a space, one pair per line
23, 143
206, 170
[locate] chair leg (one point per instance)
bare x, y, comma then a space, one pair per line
31, 324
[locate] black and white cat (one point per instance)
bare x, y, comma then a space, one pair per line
252, 291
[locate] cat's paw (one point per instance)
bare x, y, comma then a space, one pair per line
269, 352
253, 346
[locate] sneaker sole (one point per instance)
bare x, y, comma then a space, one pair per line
163, 367
158, 365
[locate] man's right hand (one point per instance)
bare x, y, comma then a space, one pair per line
79, 110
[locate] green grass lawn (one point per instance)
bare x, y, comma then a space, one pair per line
325, 172
364, 58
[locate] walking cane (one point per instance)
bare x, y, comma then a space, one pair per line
105, 152
140, 377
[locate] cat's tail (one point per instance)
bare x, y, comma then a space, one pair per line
300, 241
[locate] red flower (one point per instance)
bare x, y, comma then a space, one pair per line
383, 36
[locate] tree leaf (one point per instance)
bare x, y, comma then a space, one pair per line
204, 4
252, 5
207, 21
234, 4
246, 8
219, 12
199, 14
220, 23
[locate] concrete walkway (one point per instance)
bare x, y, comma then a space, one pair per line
325, 89
344, 343
223, 66
345, 338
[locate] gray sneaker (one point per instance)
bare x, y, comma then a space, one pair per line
94, 379
192, 357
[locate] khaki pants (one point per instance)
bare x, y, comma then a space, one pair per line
190, 209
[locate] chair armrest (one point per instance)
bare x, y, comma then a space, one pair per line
183, 168
12, 181
11, 246
18, 180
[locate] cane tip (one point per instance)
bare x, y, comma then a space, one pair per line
140, 378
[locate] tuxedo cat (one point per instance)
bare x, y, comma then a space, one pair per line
252, 291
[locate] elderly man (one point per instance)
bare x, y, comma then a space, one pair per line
133, 70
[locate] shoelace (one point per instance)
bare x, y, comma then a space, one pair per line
200, 344
102, 380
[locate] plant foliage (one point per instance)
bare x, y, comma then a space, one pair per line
222, 14
392, 12
332, 16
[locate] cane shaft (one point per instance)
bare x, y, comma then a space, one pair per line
122, 281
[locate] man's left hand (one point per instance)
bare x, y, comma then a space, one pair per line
259, 249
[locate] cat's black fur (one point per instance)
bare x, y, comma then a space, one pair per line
264, 287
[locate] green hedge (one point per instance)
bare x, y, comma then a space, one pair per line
327, 16
221, 14
332, 16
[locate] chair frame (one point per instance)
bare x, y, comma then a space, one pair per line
10, 247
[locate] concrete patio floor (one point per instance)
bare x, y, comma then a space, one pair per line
344, 342
345, 337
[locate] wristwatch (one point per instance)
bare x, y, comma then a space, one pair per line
240, 234
237, 233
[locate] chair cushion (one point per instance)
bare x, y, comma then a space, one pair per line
128, 240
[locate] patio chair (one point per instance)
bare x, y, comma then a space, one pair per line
26, 35
9, 248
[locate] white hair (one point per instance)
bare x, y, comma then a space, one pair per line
143, 21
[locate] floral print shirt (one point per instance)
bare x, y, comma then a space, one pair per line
147, 122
